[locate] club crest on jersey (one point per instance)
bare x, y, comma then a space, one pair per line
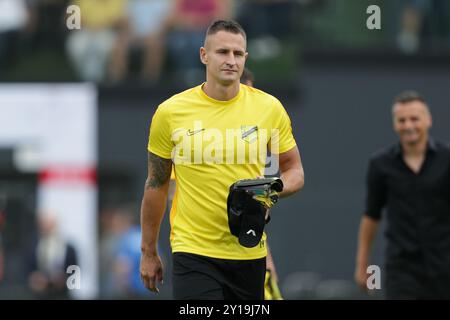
249, 133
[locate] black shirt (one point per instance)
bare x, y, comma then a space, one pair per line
417, 206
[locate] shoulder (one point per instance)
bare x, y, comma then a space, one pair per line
263, 99
178, 99
383, 154
259, 94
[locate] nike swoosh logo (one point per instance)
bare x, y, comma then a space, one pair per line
191, 132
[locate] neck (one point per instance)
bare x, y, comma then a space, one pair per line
221, 92
52, 235
416, 149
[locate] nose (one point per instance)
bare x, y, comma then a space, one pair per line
408, 123
231, 60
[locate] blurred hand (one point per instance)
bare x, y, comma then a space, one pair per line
361, 276
151, 271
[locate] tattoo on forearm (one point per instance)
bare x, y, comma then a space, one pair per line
159, 169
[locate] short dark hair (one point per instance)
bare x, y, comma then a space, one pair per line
225, 25
409, 96
247, 75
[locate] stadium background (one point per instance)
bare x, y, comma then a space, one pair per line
335, 78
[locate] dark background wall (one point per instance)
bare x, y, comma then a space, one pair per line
340, 113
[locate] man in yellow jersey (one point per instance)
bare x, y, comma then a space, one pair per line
214, 134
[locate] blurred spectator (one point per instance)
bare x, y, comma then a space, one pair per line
113, 225
121, 254
99, 48
424, 22
16, 229
147, 20
13, 18
262, 18
187, 25
127, 263
50, 257
268, 23
47, 25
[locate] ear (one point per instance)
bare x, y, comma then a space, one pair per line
203, 56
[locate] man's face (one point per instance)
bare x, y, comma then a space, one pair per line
412, 120
47, 224
224, 56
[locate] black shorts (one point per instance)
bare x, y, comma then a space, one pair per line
204, 278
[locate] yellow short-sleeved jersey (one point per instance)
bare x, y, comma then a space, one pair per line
213, 144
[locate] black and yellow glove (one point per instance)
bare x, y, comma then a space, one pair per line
271, 290
247, 204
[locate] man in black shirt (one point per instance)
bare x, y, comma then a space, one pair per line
411, 180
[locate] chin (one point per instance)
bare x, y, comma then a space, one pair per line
228, 81
411, 141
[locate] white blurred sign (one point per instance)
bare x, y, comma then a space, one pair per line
52, 129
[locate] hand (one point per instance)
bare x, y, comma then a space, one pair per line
151, 271
361, 276
274, 196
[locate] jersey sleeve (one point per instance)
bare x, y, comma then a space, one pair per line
376, 191
282, 138
159, 141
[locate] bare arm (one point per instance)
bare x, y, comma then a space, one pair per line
152, 213
292, 173
270, 264
367, 231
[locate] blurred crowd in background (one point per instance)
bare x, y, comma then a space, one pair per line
148, 40
145, 42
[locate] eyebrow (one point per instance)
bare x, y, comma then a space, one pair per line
225, 49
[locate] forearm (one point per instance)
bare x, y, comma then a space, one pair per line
269, 259
292, 173
270, 264
367, 232
293, 180
152, 213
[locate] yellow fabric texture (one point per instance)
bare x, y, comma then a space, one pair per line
212, 145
